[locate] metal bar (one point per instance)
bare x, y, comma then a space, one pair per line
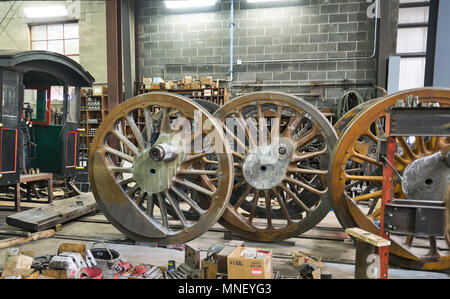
127, 48
431, 42
114, 52
386, 198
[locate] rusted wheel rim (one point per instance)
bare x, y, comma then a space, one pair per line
140, 165
277, 173
349, 207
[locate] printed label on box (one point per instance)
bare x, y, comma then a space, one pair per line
256, 271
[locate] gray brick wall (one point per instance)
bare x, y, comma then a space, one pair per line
173, 44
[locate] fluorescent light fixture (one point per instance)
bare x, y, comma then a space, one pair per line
189, 3
258, 1
46, 11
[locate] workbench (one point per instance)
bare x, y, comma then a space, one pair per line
30, 180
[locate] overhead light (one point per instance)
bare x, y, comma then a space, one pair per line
189, 3
257, 1
45, 11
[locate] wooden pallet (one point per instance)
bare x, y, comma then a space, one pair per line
59, 212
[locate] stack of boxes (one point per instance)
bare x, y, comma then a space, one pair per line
183, 84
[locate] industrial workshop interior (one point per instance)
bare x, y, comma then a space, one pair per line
208, 142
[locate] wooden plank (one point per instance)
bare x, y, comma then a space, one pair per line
59, 212
367, 237
33, 237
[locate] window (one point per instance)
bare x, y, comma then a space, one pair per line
60, 38
412, 42
10, 98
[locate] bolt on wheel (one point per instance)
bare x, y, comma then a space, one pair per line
281, 147
148, 158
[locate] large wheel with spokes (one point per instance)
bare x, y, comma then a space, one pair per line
356, 177
159, 152
281, 147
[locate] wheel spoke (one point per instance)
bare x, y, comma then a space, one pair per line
291, 128
305, 186
406, 149
148, 124
136, 132
163, 210
165, 121
268, 208
125, 141
118, 153
307, 171
193, 186
366, 159
196, 172
244, 124
189, 201
295, 198
275, 132
283, 207
309, 155
235, 138
176, 206
115, 169
253, 209
364, 178
308, 138
367, 196
242, 198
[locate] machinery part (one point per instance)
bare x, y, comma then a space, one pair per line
134, 190
426, 178
416, 217
281, 146
356, 176
340, 125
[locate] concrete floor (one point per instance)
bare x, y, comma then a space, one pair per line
337, 253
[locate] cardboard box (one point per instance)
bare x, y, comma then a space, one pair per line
155, 86
207, 80
20, 273
187, 80
196, 85
299, 258
169, 85
147, 81
99, 90
20, 261
250, 263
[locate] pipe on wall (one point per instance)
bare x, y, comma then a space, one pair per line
374, 53
231, 39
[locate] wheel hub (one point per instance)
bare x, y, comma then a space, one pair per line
155, 167
265, 166
426, 178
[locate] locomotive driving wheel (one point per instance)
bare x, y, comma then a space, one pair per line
356, 177
148, 157
281, 147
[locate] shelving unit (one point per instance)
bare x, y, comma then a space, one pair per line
218, 95
93, 110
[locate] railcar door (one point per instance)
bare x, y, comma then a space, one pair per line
10, 134
70, 131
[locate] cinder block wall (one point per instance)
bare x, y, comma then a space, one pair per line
15, 32
173, 44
